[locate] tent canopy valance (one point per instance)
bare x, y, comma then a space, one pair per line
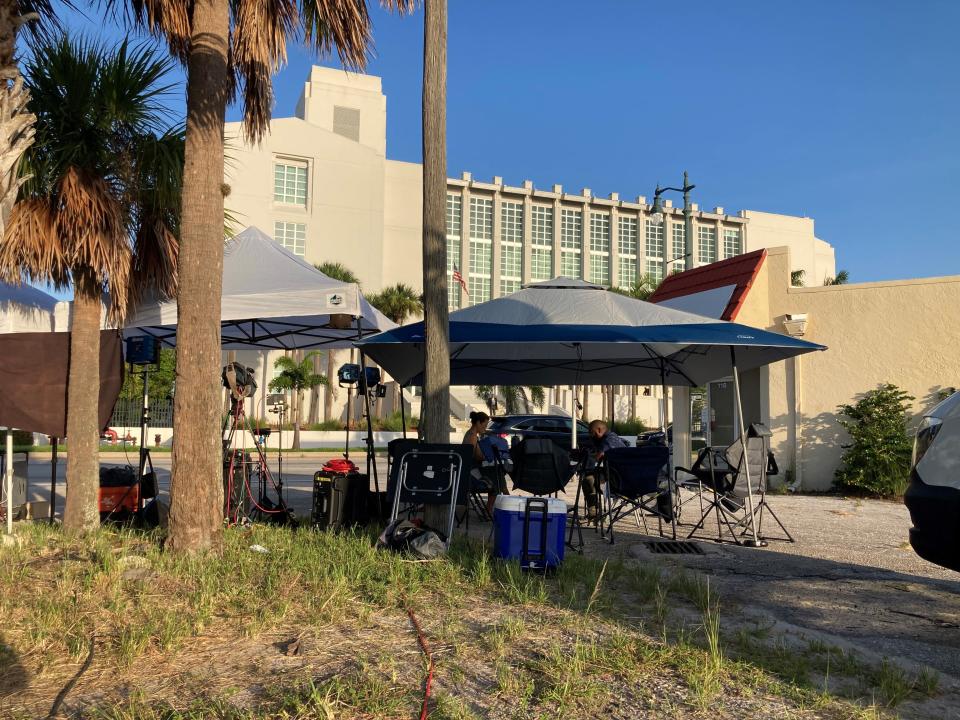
271, 299
570, 332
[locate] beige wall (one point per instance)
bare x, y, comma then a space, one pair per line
402, 213
344, 212
809, 253
904, 332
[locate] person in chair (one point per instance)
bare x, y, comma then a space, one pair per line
601, 440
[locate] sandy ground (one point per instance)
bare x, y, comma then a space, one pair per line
850, 578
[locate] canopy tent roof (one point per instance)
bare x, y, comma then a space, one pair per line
570, 332
24, 308
271, 299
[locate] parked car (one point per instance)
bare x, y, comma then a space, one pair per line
514, 428
933, 496
654, 437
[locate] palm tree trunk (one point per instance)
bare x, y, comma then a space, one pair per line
314, 414
298, 403
436, 381
16, 122
435, 416
81, 512
328, 390
196, 484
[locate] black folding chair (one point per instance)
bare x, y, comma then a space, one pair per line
431, 474
542, 467
633, 485
720, 479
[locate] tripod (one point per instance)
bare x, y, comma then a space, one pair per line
239, 487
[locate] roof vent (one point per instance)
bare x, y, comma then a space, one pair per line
346, 122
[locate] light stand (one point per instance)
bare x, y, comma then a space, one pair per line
278, 406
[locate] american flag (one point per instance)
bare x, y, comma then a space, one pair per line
458, 278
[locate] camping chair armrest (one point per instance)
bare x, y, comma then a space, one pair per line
677, 470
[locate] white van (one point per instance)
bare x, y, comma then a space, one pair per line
934, 493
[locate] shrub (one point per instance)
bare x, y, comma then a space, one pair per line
326, 425
629, 427
878, 459
394, 423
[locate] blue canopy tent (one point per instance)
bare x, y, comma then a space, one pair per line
571, 332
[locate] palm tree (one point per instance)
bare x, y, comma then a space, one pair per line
16, 120
642, 288
842, 278
98, 210
295, 377
398, 302
336, 271
435, 417
229, 48
516, 398
797, 278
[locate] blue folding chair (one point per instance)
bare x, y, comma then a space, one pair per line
633, 485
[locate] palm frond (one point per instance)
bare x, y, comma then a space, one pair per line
337, 271
338, 25
30, 248
169, 19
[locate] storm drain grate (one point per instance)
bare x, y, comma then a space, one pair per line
673, 547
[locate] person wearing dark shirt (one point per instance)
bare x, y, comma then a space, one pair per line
602, 439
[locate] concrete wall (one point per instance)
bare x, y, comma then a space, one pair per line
903, 332
810, 254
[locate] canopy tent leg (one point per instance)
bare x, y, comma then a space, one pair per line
669, 443
371, 458
8, 481
403, 414
743, 444
53, 479
573, 417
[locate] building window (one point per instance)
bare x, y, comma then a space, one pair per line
679, 238
627, 245
509, 286
571, 243
707, 242
654, 240
511, 247
454, 224
454, 214
479, 289
600, 248
541, 264
290, 183
731, 242
541, 242
628, 271
346, 122
655, 271
481, 218
293, 236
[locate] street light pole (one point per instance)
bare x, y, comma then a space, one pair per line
656, 215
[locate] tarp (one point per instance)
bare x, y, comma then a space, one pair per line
271, 299
570, 332
33, 380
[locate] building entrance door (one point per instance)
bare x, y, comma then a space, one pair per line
722, 413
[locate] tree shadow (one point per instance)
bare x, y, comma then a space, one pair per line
14, 677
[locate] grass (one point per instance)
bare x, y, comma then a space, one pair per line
570, 645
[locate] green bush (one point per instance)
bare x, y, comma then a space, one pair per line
394, 423
326, 425
877, 461
628, 427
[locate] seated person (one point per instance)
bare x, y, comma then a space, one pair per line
486, 473
601, 440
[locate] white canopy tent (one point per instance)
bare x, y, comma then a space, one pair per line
271, 299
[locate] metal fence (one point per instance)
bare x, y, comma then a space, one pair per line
128, 413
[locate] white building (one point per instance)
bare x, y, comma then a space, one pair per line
321, 182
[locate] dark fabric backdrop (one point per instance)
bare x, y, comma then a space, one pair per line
33, 380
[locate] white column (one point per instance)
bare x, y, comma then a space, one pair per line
681, 426
8, 481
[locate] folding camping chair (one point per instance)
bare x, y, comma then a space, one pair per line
431, 474
633, 485
720, 478
496, 456
542, 467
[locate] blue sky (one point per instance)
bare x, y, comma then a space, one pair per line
846, 112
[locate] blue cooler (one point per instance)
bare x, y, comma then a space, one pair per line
529, 529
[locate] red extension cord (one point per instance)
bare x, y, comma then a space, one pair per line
426, 651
